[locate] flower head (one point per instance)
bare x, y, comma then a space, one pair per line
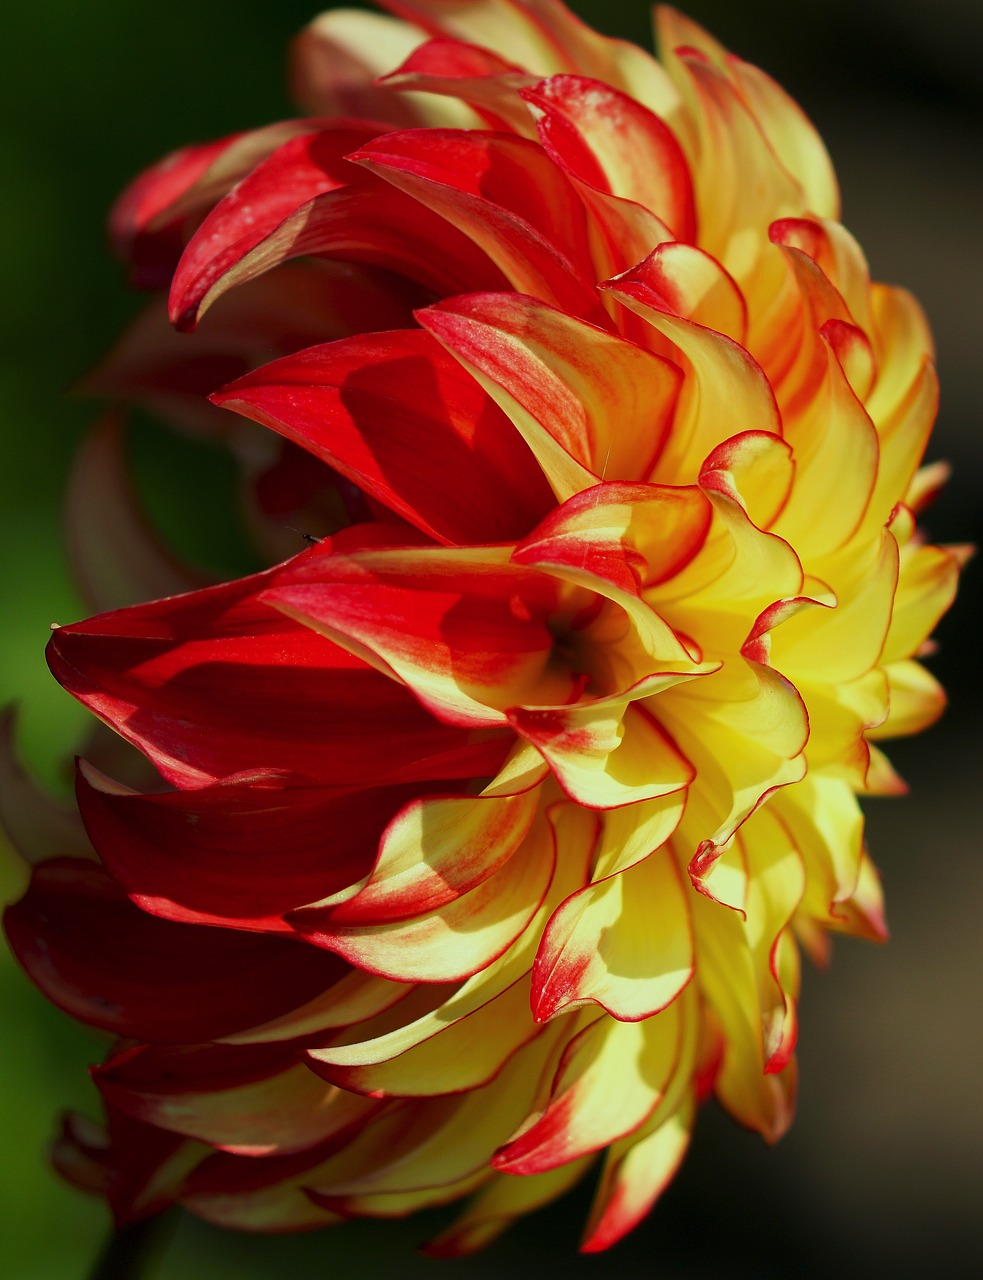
483, 833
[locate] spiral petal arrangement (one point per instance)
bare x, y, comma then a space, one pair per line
485, 832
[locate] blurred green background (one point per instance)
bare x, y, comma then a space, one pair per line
882, 1169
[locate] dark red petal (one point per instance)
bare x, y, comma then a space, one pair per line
98, 957
237, 854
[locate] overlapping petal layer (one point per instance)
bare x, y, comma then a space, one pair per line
484, 833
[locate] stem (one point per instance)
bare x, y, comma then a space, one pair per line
131, 1253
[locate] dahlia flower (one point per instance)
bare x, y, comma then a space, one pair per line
473, 845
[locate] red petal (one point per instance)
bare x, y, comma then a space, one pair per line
471, 74
508, 197
98, 957
216, 683
467, 631
298, 170
618, 146
398, 416
362, 220
235, 854
150, 222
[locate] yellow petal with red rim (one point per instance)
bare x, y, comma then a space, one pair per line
631, 833
465, 1054
916, 700
454, 941
723, 384
606, 752
611, 1077
624, 943
396, 1156
761, 1101
927, 581
383, 1040
436, 850
824, 819
636, 1173
792, 135
842, 643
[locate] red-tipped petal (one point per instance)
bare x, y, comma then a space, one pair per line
625, 943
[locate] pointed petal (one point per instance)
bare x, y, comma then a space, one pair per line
762, 1101
916, 700
639, 1175
399, 1033
824, 819
355, 998
792, 136
455, 940
150, 222
508, 197
927, 581
611, 1077
158, 673
361, 219
409, 426
250, 1102
238, 854
624, 943
98, 957
412, 1149
467, 631
434, 851
582, 398
465, 1054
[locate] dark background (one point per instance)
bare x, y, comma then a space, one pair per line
882, 1170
